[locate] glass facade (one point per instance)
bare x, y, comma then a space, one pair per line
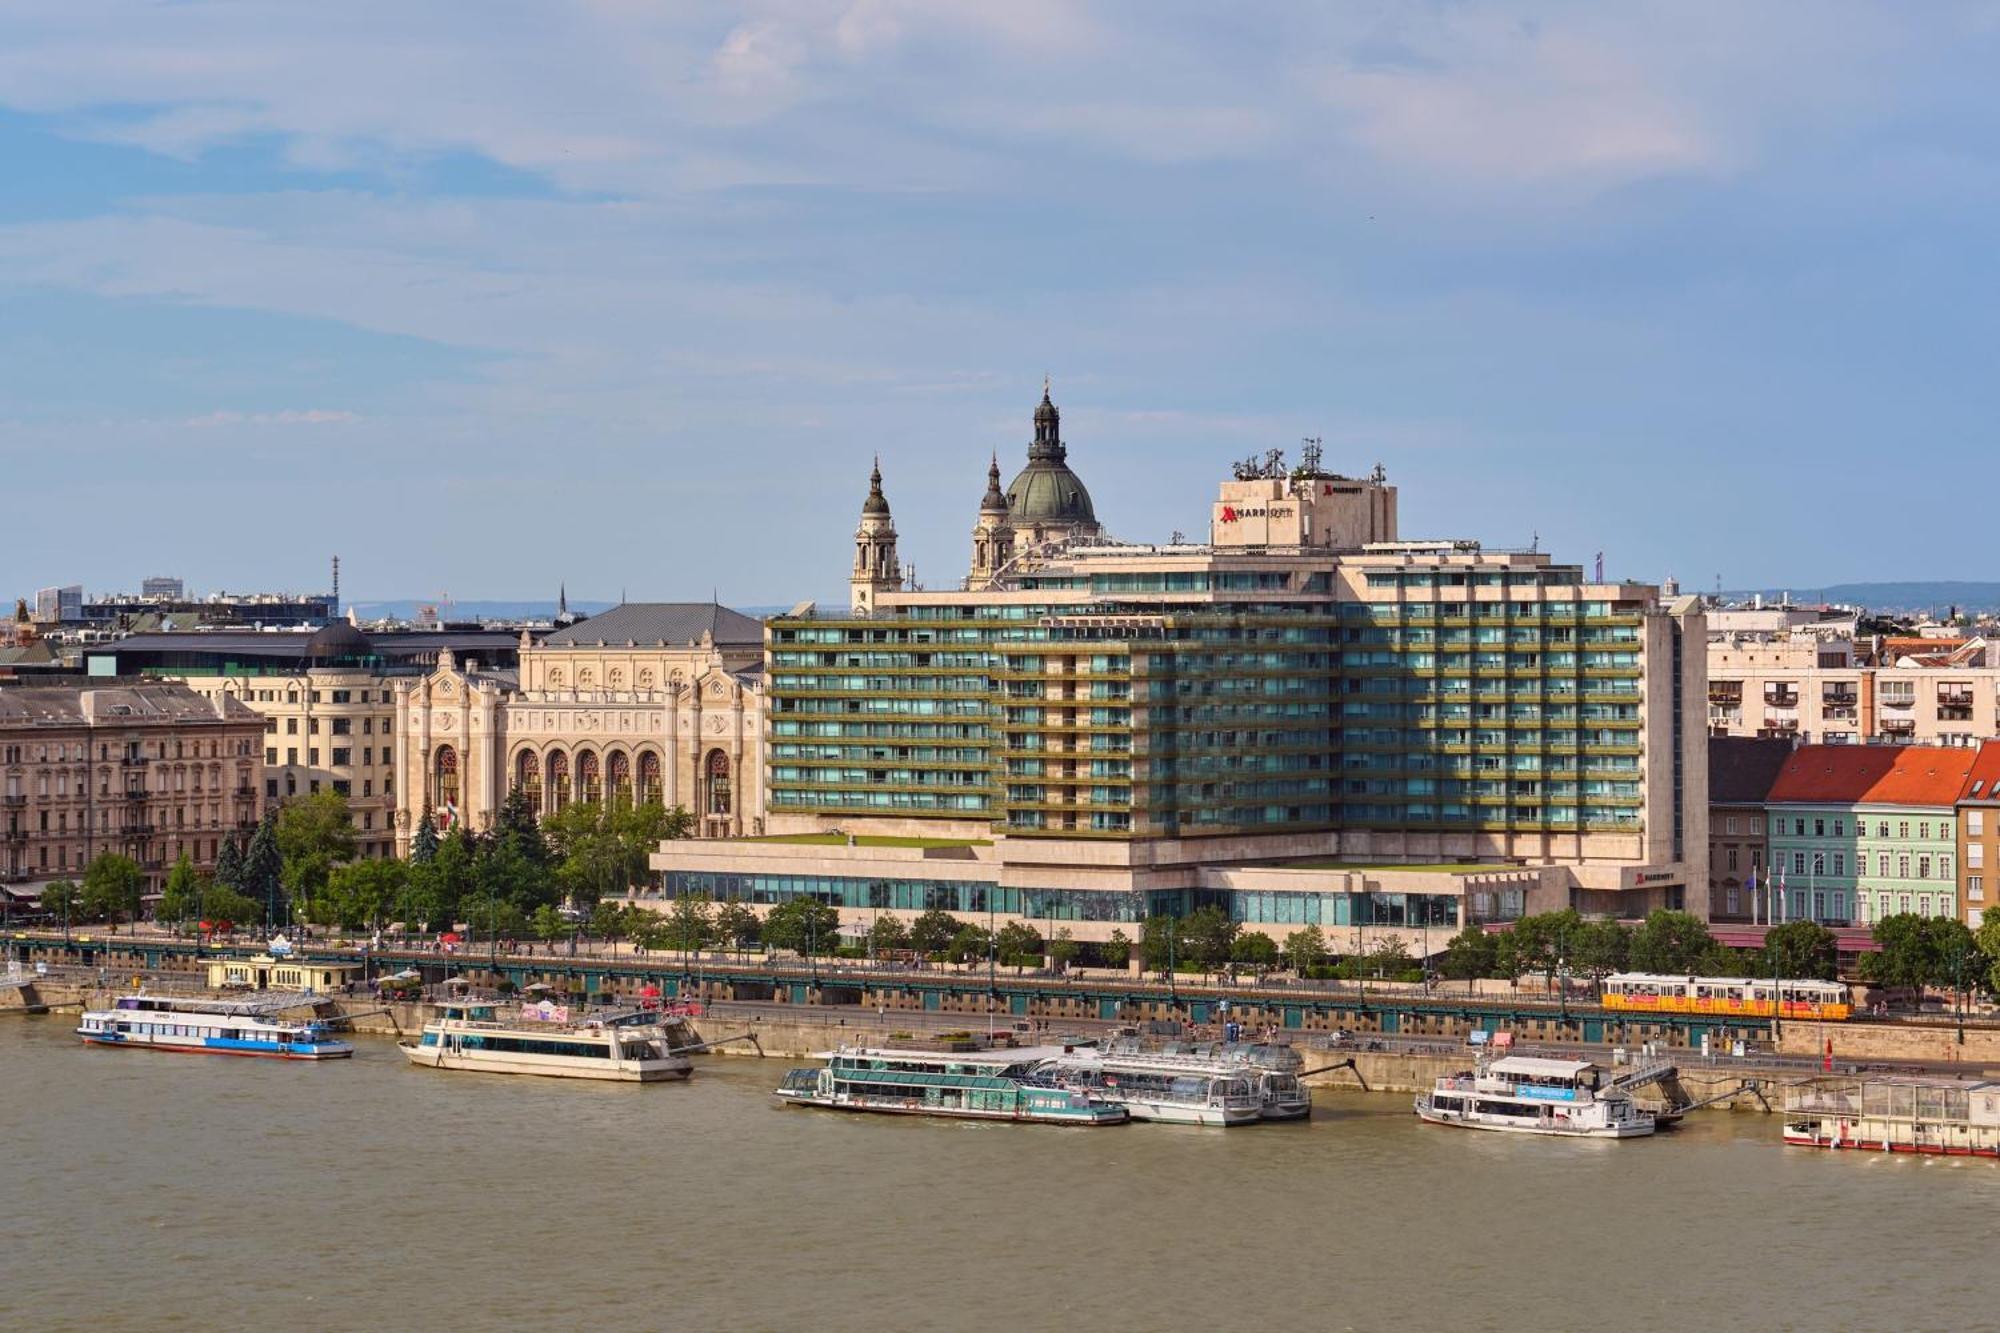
1426, 697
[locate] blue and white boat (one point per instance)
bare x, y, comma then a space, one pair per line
204, 1025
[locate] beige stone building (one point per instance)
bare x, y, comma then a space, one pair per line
654, 701
1816, 690
146, 770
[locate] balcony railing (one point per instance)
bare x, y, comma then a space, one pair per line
1955, 698
1782, 698
14, 799
1899, 724
136, 793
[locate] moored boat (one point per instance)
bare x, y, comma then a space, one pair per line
206, 1025
993, 1084
1928, 1114
632, 1046
1522, 1094
1171, 1088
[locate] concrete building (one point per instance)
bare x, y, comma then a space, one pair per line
1741, 772
1821, 689
1858, 833
654, 701
147, 770
327, 699
59, 606
1979, 836
1090, 732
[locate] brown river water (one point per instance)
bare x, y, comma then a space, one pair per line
141, 1190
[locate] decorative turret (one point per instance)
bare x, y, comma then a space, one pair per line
992, 535
1048, 502
876, 569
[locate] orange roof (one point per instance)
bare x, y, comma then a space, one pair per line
1985, 774
1875, 775
1899, 645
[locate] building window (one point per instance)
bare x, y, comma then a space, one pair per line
342, 756
291, 726
446, 786
1975, 888
1975, 822
1923, 867
1840, 828
1840, 863
271, 756
1729, 823
1819, 828
1798, 863
1882, 865
1732, 858
1903, 828
1881, 828
1756, 823
1975, 854
1818, 864
1902, 867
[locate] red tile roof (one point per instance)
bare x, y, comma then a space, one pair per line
1874, 775
1985, 774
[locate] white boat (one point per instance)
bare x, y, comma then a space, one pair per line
1525, 1094
996, 1084
633, 1046
204, 1025
1274, 1073
1173, 1089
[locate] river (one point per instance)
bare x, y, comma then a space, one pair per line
145, 1190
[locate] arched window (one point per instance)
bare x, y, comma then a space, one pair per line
649, 777
717, 769
558, 780
446, 786
528, 776
618, 770
589, 777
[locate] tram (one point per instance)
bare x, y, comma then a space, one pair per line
1752, 997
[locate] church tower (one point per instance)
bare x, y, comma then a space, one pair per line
1048, 502
992, 535
876, 570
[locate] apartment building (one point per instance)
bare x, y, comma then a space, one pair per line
1979, 836
1815, 690
1741, 773
147, 770
1858, 833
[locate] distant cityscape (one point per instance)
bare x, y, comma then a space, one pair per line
1306, 718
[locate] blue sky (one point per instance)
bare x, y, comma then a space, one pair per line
484, 297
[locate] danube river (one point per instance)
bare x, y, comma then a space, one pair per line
146, 1190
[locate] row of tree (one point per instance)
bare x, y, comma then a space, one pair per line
300, 863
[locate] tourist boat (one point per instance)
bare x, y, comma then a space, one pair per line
208, 1026
995, 1084
1178, 1089
634, 1046
1523, 1094
1273, 1070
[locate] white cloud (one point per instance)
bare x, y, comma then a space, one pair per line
312, 416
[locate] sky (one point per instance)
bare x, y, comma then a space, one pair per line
487, 298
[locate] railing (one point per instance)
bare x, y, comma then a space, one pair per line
15, 799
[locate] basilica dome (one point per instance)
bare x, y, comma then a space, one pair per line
1047, 492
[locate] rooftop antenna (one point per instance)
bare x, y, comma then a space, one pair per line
336, 585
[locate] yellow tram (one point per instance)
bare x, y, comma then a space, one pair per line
1752, 997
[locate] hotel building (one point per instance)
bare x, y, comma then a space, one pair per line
1304, 720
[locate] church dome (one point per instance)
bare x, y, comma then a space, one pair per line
1047, 492
338, 642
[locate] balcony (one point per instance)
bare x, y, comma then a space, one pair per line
136, 793
135, 760
15, 835
1782, 698
1899, 726
131, 831
14, 800
1955, 698
246, 793
1838, 712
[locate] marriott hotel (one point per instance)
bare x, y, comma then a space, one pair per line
1305, 720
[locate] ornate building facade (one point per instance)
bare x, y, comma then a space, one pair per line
651, 701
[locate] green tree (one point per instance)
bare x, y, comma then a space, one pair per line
1305, 949
1599, 949
315, 833
63, 901
452, 875
933, 931
887, 935
1907, 959
518, 824
689, 925
736, 925
419, 906
1020, 944
1255, 948
264, 867
1669, 942
549, 924
1538, 945
225, 909
970, 944
361, 894
605, 849
424, 845
806, 926
1800, 950
113, 887
1160, 944
229, 865
1116, 951
180, 898
1471, 954
1389, 959
648, 930
1207, 935
1062, 948
1988, 940
608, 921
